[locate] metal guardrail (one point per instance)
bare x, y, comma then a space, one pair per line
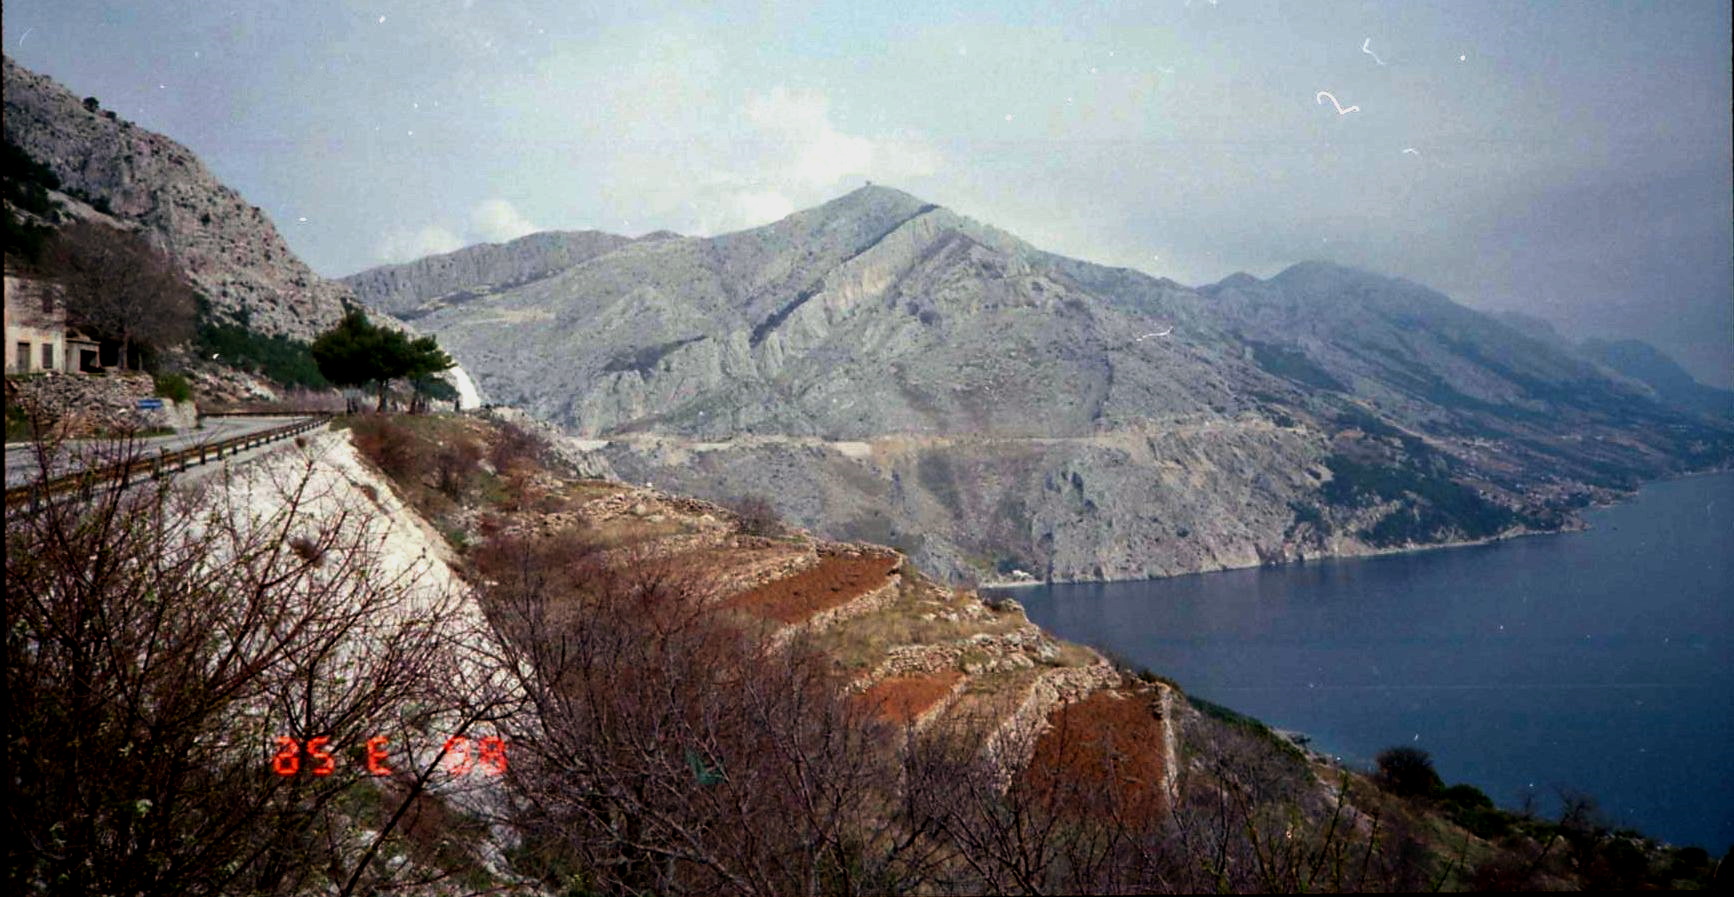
155, 466
254, 412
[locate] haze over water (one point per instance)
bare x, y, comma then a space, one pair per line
1600, 661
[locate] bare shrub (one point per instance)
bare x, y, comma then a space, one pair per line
307, 550
757, 515
454, 466
390, 446
158, 645
117, 285
1076, 820
670, 753
515, 446
1408, 772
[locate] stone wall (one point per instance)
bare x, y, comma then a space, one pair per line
860, 605
79, 406
1014, 741
1022, 648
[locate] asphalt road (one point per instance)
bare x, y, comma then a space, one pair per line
23, 466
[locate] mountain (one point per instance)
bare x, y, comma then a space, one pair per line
140, 179
414, 289
1642, 361
886, 369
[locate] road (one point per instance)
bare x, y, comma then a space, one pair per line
23, 467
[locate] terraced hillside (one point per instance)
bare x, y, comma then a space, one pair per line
688, 662
915, 651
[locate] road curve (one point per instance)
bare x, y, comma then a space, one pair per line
24, 466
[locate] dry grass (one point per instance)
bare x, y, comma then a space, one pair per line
1001, 683
579, 491
621, 532
733, 567
861, 642
1074, 655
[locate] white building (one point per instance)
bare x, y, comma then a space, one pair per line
36, 335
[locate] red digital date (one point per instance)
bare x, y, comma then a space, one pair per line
488, 756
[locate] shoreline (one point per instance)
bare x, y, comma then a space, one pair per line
1339, 556
1582, 526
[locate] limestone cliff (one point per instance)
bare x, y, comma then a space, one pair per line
229, 249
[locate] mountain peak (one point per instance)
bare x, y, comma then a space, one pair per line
879, 192
1238, 279
875, 199
1319, 268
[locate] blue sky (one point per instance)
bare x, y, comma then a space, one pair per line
1570, 160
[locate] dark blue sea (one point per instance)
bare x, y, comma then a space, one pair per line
1601, 662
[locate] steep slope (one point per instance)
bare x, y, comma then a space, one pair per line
229, 249
1063, 736
888, 369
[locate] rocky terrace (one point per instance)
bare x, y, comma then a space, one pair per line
922, 654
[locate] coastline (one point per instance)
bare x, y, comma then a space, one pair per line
1328, 556
1460, 681
1575, 524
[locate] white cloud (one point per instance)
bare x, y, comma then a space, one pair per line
405, 245
812, 152
789, 154
666, 132
756, 207
496, 221
797, 125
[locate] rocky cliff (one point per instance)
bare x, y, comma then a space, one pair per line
229, 249
887, 369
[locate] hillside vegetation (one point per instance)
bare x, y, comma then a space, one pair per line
665, 700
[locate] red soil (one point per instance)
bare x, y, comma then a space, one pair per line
902, 699
833, 581
1105, 752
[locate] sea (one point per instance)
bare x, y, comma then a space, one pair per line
1597, 663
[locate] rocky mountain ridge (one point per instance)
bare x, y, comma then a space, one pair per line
1025, 411
229, 249
1649, 365
408, 290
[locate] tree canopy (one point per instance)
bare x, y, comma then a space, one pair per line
118, 287
358, 352
1407, 771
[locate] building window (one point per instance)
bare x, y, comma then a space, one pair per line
48, 356
47, 301
21, 358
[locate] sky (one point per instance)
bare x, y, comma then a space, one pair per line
1567, 160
